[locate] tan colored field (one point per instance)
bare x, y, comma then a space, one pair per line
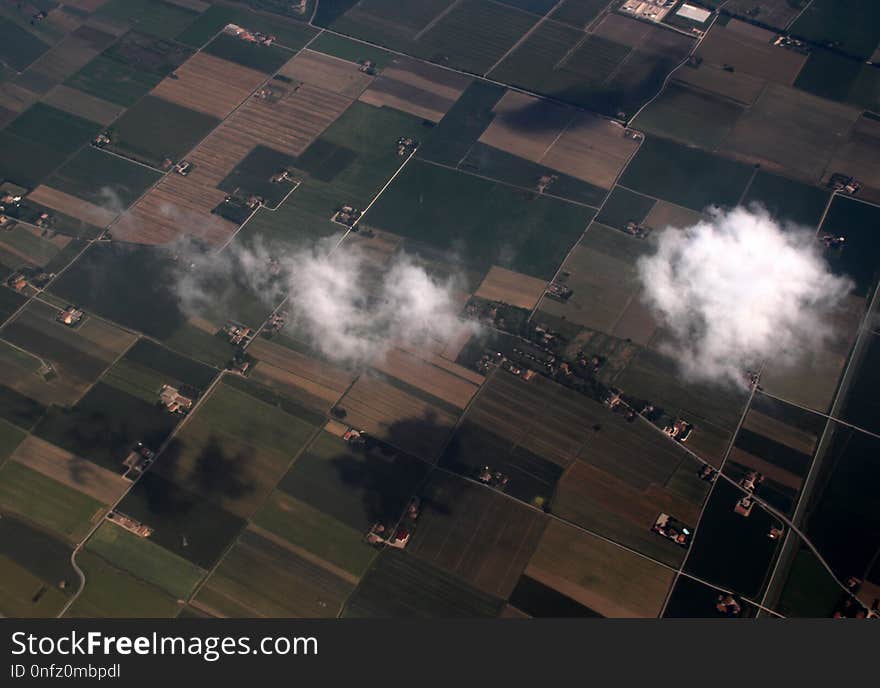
327, 72
302, 376
71, 205
71, 54
665, 214
592, 149
526, 126
797, 439
623, 30
82, 104
609, 580
635, 323
209, 84
440, 381
453, 347
78, 473
733, 45
417, 88
511, 287
178, 205
389, 413
15, 98
107, 25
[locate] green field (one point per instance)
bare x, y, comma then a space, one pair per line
113, 81
402, 586
484, 222
18, 48
686, 176
47, 126
809, 591
263, 58
18, 409
692, 117
788, 200
25, 162
355, 487
24, 596
854, 25
103, 179
156, 17
145, 560
155, 129
45, 502
353, 51
10, 437
624, 206
236, 448
262, 578
316, 532
111, 593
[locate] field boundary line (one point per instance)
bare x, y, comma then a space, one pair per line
430, 25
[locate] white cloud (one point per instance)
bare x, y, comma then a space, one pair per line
737, 289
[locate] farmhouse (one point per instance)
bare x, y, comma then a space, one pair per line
70, 316
347, 216
139, 458
130, 524
173, 400
679, 430
237, 333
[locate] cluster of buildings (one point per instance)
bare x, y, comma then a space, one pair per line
843, 183
183, 167
672, 529
679, 430
558, 292
248, 36
748, 482
545, 182
175, 402
406, 145
281, 176
138, 460
397, 535
70, 316
367, 67
652, 10
130, 524
238, 334
790, 43
347, 216
101, 140
637, 229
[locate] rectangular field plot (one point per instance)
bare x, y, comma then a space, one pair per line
18, 409
36, 577
386, 22
102, 179
416, 88
356, 486
290, 34
852, 24
333, 544
311, 381
47, 503
145, 560
732, 551
400, 585
27, 163
404, 416
858, 155
112, 81
157, 17
82, 104
686, 176
449, 382
262, 577
792, 131
62, 466
526, 126
112, 593
487, 221
740, 87
603, 277
788, 200
84, 211
188, 525
511, 287
25, 245
475, 533
689, 116
68, 361
237, 445
601, 576
155, 129
862, 401
748, 50
56, 129
20, 48
331, 73
209, 84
